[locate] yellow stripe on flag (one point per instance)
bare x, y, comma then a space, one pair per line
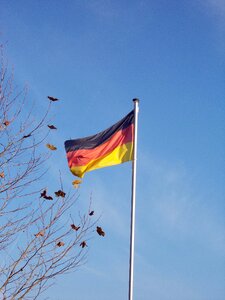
119, 155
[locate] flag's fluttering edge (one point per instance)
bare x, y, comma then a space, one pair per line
110, 147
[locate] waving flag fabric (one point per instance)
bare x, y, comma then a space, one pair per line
110, 147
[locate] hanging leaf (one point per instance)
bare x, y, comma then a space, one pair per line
60, 194
26, 136
6, 123
60, 244
40, 233
51, 127
91, 213
74, 227
2, 174
51, 147
53, 98
44, 195
83, 244
76, 183
100, 231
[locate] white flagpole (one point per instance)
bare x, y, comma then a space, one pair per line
133, 200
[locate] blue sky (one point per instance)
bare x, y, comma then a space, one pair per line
96, 56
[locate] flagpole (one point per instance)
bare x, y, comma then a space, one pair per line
133, 201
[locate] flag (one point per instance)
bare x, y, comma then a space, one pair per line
110, 147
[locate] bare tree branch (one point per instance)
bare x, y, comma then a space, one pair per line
37, 240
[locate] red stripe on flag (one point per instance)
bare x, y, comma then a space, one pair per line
84, 156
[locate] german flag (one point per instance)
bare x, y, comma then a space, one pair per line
110, 147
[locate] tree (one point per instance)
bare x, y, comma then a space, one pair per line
38, 237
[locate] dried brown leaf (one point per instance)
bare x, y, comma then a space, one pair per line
40, 233
100, 231
74, 227
44, 195
51, 147
51, 127
60, 193
53, 98
6, 123
60, 244
26, 136
76, 183
83, 244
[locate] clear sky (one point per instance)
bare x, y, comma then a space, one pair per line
96, 56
